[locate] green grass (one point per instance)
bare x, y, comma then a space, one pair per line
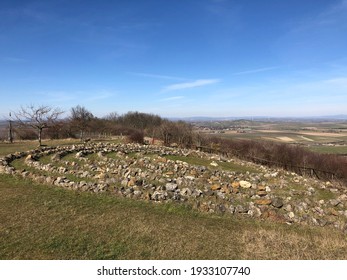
329, 149
325, 194
7, 148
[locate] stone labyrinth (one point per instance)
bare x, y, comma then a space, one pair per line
208, 183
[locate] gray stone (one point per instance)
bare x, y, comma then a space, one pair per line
171, 187
241, 209
277, 202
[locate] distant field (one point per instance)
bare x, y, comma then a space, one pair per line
322, 137
289, 136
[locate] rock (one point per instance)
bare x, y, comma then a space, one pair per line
245, 184
169, 173
25, 173
215, 187
277, 202
171, 187
263, 201
59, 180
124, 183
221, 208
261, 193
241, 209
273, 215
49, 180
131, 182
220, 195
254, 211
291, 215
288, 208
334, 202
62, 169
186, 192
311, 189
213, 163
137, 193
235, 184
30, 157
79, 154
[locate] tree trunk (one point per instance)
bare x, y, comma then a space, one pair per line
40, 136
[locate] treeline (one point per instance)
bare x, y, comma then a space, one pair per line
82, 123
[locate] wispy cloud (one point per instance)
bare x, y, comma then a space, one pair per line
188, 85
149, 75
256, 70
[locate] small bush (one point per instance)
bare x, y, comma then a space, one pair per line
136, 136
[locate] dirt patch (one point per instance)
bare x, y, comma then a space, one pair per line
285, 139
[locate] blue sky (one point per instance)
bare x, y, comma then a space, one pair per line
176, 58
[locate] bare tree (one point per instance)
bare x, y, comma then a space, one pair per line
113, 116
38, 118
81, 118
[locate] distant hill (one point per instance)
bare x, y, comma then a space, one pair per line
263, 118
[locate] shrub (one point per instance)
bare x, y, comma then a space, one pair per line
136, 136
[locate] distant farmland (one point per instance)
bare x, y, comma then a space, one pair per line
323, 137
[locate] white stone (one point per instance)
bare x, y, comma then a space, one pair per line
245, 184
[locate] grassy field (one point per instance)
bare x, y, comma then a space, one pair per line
329, 149
44, 222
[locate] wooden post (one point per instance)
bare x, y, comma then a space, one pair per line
10, 136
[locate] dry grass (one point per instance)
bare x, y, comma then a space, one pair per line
297, 245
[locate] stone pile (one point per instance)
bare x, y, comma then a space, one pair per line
155, 173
